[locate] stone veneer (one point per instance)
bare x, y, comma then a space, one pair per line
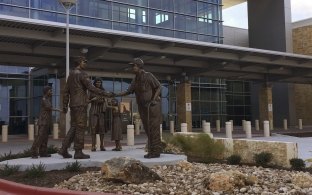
247, 148
302, 44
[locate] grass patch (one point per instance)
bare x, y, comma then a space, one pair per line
198, 148
26, 153
9, 170
35, 171
73, 167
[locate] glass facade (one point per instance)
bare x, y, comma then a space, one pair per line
14, 95
238, 101
208, 100
199, 20
186, 19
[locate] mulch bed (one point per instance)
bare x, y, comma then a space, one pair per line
49, 179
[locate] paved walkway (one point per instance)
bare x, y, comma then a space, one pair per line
18, 143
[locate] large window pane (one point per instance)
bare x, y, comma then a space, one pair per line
185, 6
162, 4
161, 19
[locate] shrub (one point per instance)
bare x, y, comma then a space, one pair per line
199, 147
26, 153
263, 158
73, 167
234, 159
52, 149
6, 156
9, 170
35, 171
297, 164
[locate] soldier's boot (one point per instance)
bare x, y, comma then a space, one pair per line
34, 153
80, 155
93, 140
45, 155
102, 142
119, 145
63, 152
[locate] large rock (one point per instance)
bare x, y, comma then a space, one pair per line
127, 170
228, 180
303, 180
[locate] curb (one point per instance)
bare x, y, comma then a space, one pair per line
12, 188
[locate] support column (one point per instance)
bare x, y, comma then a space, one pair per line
62, 123
184, 105
266, 103
269, 25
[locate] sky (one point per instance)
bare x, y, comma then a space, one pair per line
300, 9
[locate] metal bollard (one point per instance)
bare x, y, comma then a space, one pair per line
257, 125
31, 132
266, 127
130, 135
184, 127
228, 129
171, 126
4, 133
248, 129
218, 125
137, 127
98, 141
285, 124
206, 128
300, 124
55, 131
243, 125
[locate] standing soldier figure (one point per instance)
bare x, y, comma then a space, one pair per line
75, 93
45, 118
147, 91
97, 115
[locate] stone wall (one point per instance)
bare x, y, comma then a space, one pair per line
246, 148
302, 44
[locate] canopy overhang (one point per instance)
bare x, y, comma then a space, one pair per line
36, 43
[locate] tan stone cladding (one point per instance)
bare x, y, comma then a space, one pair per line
302, 44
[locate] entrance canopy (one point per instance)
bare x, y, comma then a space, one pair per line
36, 43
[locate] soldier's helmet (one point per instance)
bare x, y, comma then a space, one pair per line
78, 59
138, 61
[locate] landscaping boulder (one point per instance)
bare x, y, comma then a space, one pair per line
128, 170
227, 180
303, 180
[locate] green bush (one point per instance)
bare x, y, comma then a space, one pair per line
234, 159
73, 167
35, 171
52, 149
199, 147
26, 153
263, 158
6, 156
9, 170
297, 164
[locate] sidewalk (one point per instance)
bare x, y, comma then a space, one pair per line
18, 143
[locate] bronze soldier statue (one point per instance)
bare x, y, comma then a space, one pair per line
117, 125
147, 91
75, 93
44, 121
97, 115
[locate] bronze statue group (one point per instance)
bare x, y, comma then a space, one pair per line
79, 92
